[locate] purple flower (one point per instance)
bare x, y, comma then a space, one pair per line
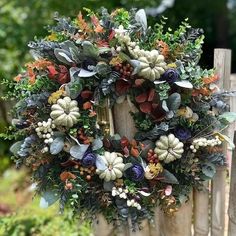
170, 76
182, 133
136, 172
88, 159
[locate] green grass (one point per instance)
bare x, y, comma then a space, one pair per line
27, 218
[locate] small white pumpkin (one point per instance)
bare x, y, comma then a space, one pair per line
152, 65
114, 167
169, 148
65, 112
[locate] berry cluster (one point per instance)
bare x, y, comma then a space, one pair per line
122, 193
88, 172
125, 70
44, 130
133, 203
152, 156
203, 142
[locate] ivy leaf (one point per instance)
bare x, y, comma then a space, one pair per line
48, 198
97, 144
16, 147
229, 116
168, 177
174, 101
184, 84
78, 151
57, 145
100, 164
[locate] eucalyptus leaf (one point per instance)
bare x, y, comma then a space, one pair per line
164, 106
168, 177
127, 166
48, 198
100, 164
97, 144
78, 151
136, 66
208, 170
174, 101
184, 84
228, 140
16, 147
57, 145
74, 72
108, 186
73, 89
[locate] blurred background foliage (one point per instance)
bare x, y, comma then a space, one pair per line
21, 20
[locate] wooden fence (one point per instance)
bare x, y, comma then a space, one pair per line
205, 213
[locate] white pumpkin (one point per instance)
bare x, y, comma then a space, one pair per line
152, 65
169, 148
114, 166
65, 112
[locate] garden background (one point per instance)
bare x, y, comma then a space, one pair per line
20, 21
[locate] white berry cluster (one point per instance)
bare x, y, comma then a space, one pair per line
133, 203
45, 130
122, 193
203, 142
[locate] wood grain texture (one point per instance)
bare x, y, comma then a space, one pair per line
201, 211
232, 198
179, 224
222, 64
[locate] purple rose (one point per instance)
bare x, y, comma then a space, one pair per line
170, 76
182, 133
136, 172
88, 159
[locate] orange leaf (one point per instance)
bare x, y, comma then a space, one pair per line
18, 78
66, 175
211, 79
87, 105
134, 152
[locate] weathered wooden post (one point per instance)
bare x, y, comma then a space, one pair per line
180, 223
222, 64
201, 211
232, 193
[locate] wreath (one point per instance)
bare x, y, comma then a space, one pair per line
85, 67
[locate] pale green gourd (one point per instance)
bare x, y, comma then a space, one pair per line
169, 148
65, 112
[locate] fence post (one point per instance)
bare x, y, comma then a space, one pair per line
232, 193
222, 64
201, 211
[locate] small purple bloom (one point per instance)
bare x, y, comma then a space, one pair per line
88, 159
170, 76
182, 133
136, 172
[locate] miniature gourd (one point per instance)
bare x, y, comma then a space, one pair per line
114, 166
65, 112
152, 65
169, 148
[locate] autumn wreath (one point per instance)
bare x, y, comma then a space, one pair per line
105, 58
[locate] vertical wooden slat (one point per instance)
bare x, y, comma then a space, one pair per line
222, 64
156, 225
232, 198
101, 227
201, 211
